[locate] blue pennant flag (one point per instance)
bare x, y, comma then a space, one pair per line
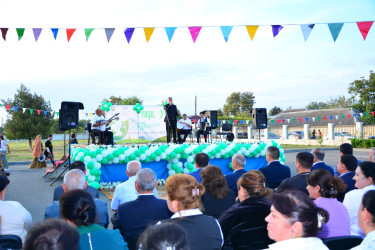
331, 117
15, 109
55, 31
226, 30
45, 113
241, 122
335, 29
170, 31
306, 30
307, 119
276, 29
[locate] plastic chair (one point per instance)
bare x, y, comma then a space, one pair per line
10, 241
342, 243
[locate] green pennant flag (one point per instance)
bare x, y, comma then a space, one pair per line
20, 32
318, 118
294, 120
366, 114
272, 121
57, 113
31, 111
88, 33
1, 104
343, 116
230, 122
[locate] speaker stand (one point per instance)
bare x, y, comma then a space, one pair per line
259, 134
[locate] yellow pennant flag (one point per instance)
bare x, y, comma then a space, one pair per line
148, 33
252, 30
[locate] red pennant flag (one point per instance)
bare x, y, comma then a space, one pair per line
283, 121
349, 116
364, 28
278, 121
38, 112
373, 113
69, 33
7, 107
300, 119
235, 121
195, 121
324, 117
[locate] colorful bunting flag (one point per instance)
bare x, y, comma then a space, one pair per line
57, 114
23, 110
252, 30
45, 113
294, 120
318, 118
349, 116
194, 32
129, 33
230, 122
278, 121
241, 122
372, 113
38, 111
4, 32
366, 114
324, 117
170, 32
15, 109
306, 30
226, 30
272, 121
283, 121
31, 111
148, 33
55, 31
7, 107
288, 120
276, 29
307, 119
20, 32
331, 117
335, 29
300, 119
36, 32
343, 116
69, 33
88, 33
109, 33
364, 28
313, 118
337, 117
235, 122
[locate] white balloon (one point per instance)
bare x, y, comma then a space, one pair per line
88, 172
148, 152
186, 163
80, 154
171, 172
110, 150
174, 160
99, 157
127, 153
179, 164
77, 158
87, 159
91, 178
163, 155
116, 160
186, 171
263, 153
137, 159
204, 151
121, 157
142, 157
189, 159
110, 162
178, 156
104, 153
187, 151
257, 156
243, 149
169, 165
98, 165
222, 152
246, 153
168, 151
218, 155
157, 158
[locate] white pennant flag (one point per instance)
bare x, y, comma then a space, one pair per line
23, 110
361, 114
313, 118
337, 117
288, 120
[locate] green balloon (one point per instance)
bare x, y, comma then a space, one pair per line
116, 153
110, 157
98, 172
94, 172
148, 159
230, 165
190, 166
86, 152
108, 109
172, 155
109, 104
196, 151
178, 170
158, 152
90, 165
167, 158
137, 153
127, 159
93, 154
226, 156
102, 108
98, 151
105, 160
153, 156
82, 159
132, 157
174, 166
177, 150
86, 178
185, 156
97, 178
142, 149
258, 150
231, 153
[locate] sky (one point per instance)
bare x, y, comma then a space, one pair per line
284, 71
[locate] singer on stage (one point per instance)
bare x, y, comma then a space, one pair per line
170, 120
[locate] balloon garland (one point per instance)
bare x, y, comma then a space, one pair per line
106, 106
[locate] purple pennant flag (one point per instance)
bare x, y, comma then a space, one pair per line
276, 29
129, 33
45, 113
15, 109
194, 32
37, 32
109, 33
87, 114
4, 32
55, 31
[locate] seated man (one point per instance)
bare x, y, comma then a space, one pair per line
186, 129
318, 160
62, 188
345, 149
238, 164
346, 166
275, 172
201, 161
230, 136
202, 125
134, 216
75, 179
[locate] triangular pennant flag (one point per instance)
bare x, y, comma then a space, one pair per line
23, 110
361, 114
318, 118
278, 121
230, 122
69, 33
7, 107
272, 121
349, 116
87, 114
218, 122
337, 117
31, 111
241, 122
355, 115
364, 28
288, 120
252, 30
313, 118
276, 29
306, 30
170, 32
226, 30
148, 33
38, 111
91, 114
343, 116
366, 114
88, 33
235, 122
194, 32
129, 33
335, 29
294, 120
331, 117
300, 119
324, 117
55, 31
283, 121
57, 114
45, 113
109, 33
15, 109
37, 32
20, 32
4, 32
372, 113
307, 119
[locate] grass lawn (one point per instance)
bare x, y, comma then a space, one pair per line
292, 146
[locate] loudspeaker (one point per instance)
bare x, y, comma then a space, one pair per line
212, 114
68, 115
259, 118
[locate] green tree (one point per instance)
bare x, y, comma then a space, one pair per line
239, 104
317, 105
24, 125
220, 112
340, 102
274, 111
131, 100
55, 129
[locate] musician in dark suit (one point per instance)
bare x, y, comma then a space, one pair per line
170, 120
238, 164
203, 125
346, 166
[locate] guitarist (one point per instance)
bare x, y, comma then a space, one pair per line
203, 125
99, 125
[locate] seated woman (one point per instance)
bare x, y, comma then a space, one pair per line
217, 196
77, 207
15, 219
294, 222
323, 188
184, 193
243, 224
366, 219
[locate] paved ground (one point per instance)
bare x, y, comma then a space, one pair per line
28, 187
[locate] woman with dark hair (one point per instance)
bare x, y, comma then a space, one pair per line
243, 224
77, 207
366, 219
364, 180
217, 196
163, 236
184, 195
73, 139
38, 152
294, 222
323, 188
52, 234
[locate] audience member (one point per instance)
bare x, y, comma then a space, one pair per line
134, 216
238, 164
59, 190
126, 191
345, 149
73, 139
294, 222
346, 166
163, 236
75, 179
275, 172
304, 162
201, 161
366, 219
217, 196
364, 181
245, 220
371, 155
230, 136
52, 234
78, 209
323, 188
184, 194
3, 149
37, 153
319, 160
14, 218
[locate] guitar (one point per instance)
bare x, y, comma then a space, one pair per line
115, 117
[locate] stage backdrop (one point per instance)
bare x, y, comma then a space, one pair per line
147, 126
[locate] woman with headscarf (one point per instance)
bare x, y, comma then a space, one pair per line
38, 161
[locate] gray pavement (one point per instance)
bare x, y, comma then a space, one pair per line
28, 187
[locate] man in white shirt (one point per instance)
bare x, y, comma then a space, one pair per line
99, 125
186, 128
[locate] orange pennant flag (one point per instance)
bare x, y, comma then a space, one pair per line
252, 30
148, 33
69, 33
